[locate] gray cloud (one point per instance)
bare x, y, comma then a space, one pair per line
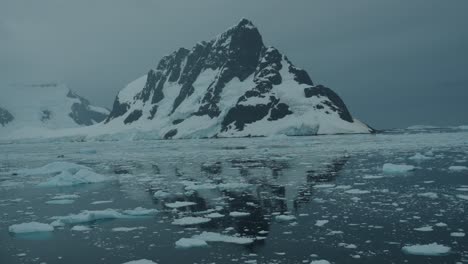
395, 63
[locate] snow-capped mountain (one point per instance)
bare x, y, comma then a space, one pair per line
231, 86
44, 107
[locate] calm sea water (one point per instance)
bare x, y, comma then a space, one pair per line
346, 209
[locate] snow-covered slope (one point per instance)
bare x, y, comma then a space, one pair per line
231, 86
29, 109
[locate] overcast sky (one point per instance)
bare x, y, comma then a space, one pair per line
394, 63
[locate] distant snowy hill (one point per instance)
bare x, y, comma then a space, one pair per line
27, 109
230, 86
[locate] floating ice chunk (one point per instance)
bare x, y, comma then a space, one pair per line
372, 177
419, 157
440, 224
53, 168
68, 178
81, 228
285, 218
214, 215
424, 229
190, 243
216, 237
324, 185
31, 227
161, 194
457, 234
238, 214
140, 261
190, 220
234, 186
87, 216
320, 261
66, 196
390, 168
102, 202
140, 211
127, 229
357, 191
463, 189
321, 222
179, 204
348, 246
433, 249
64, 201
431, 195
87, 151
196, 187
461, 196
458, 168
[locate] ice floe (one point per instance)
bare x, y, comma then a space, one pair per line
81, 228
127, 229
190, 243
179, 204
285, 218
217, 237
458, 168
390, 168
31, 227
190, 220
70, 178
239, 214
432, 249
140, 261
63, 201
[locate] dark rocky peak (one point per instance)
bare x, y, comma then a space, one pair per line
5, 117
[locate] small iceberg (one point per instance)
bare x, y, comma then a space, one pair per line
31, 227
433, 249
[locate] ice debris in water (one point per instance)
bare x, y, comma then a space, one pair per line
81, 228
190, 220
216, 237
320, 261
419, 157
458, 168
88, 216
390, 168
285, 218
433, 249
190, 243
238, 214
30, 227
140, 261
179, 204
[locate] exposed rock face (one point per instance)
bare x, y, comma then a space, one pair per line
45, 106
82, 111
5, 117
231, 86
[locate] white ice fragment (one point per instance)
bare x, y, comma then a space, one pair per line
179, 204
190, 220
457, 234
419, 157
430, 195
321, 222
238, 214
127, 229
285, 218
433, 249
190, 243
30, 227
216, 237
140, 261
140, 211
81, 228
458, 168
357, 191
424, 229
214, 215
64, 201
320, 261
390, 168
